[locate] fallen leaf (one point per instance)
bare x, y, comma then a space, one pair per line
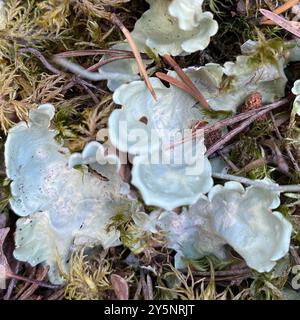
120, 287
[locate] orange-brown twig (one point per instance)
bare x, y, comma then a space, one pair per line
283, 23
295, 24
281, 9
188, 82
115, 20
177, 83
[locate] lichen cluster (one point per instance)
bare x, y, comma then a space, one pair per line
108, 229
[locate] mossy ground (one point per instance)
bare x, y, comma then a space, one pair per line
27, 80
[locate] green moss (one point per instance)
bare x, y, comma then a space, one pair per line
267, 50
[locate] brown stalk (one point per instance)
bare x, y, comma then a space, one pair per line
295, 24
40, 56
51, 68
145, 288
87, 89
228, 161
36, 282
196, 93
95, 52
40, 276
251, 166
281, 9
102, 63
287, 147
177, 83
283, 23
249, 117
230, 135
12, 282
115, 20
245, 115
295, 254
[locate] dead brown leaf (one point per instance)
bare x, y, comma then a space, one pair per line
120, 287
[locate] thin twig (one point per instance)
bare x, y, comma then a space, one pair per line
250, 116
228, 161
295, 254
87, 89
93, 52
230, 135
291, 156
197, 94
283, 23
12, 282
52, 69
39, 283
144, 285
233, 272
245, 115
115, 20
258, 184
93, 76
150, 287
252, 165
40, 56
26, 284
281, 9
40, 275
177, 83
102, 63
138, 290
287, 147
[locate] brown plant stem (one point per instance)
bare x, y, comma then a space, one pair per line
115, 20
51, 68
252, 165
88, 90
283, 23
93, 52
102, 63
295, 254
197, 94
230, 135
37, 282
12, 282
40, 56
245, 115
177, 83
281, 9
287, 147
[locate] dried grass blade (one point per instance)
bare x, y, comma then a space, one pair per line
285, 24
196, 93
175, 82
136, 53
83, 53
102, 63
281, 9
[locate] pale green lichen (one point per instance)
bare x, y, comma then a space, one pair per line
63, 208
242, 218
167, 29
